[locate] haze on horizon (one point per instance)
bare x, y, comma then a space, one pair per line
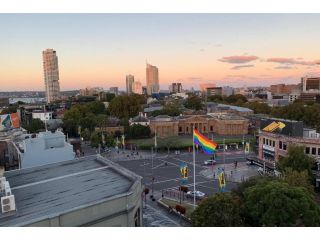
101, 49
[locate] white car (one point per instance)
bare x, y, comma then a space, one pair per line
209, 162
198, 194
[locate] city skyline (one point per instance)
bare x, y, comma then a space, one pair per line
101, 49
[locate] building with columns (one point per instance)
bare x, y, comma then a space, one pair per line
220, 124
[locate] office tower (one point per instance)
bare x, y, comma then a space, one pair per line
310, 84
204, 86
152, 77
51, 75
176, 88
129, 83
137, 87
114, 90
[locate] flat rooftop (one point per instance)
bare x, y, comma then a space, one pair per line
54, 189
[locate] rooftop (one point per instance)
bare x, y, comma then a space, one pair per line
53, 189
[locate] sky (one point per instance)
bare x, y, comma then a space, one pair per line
101, 49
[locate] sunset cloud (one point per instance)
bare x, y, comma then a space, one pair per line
238, 59
242, 66
291, 61
285, 67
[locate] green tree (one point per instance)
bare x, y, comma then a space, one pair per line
95, 139
296, 160
126, 106
276, 203
10, 109
220, 210
34, 126
193, 102
139, 131
298, 179
259, 107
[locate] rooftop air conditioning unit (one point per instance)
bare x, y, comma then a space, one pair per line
8, 204
7, 189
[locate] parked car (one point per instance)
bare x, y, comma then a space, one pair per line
198, 194
209, 162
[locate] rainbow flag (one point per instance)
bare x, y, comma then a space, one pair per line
208, 146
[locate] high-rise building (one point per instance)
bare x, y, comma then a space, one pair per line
129, 83
137, 87
204, 86
152, 76
51, 75
175, 88
114, 90
311, 84
283, 88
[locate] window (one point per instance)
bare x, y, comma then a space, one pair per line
264, 141
187, 129
180, 129
314, 151
318, 151
204, 128
280, 144
284, 146
274, 143
267, 141
307, 150
211, 128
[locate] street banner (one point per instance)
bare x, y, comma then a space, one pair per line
247, 148
184, 172
9, 121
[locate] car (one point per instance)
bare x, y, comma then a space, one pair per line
198, 194
210, 162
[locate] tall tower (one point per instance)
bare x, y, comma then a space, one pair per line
129, 83
51, 75
152, 77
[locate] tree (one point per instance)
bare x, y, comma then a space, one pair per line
296, 159
95, 139
126, 106
220, 210
298, 179
259, 107
138, 131
34, 126
193, 102
276, 203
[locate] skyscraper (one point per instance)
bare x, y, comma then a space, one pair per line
129, 83
137, 87
152, 77
51, 75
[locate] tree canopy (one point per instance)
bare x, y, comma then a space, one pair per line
276, 203
220, 210
193, 102
296, 160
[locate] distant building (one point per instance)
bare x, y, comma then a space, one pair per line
129, 84
39, 149
212, 91
137, 87
91, 91
213, 107
111, 125
294, 95
219, 124
175, 88
227, 91
144, 90
152, 76
51, 75
205, 86
310, 84
42, 115
140, 119
283, 88
114, 90
90, 191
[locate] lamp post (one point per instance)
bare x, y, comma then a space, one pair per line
152, 172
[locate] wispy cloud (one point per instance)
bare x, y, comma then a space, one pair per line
285, 67
291, 61
238, 59
242, 66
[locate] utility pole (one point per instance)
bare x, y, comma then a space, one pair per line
152, 171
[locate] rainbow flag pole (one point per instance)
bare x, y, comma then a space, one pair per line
208, 146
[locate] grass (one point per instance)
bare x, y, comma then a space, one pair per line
173, 203
179, 142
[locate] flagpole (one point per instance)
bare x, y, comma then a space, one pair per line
194, 171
